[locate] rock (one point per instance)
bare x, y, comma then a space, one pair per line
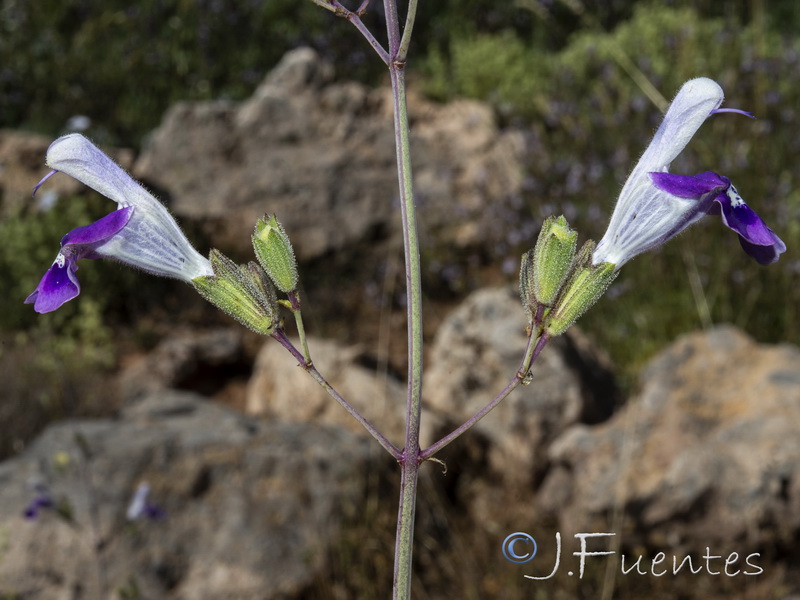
251, 508
320, 154
475, 354
22, 166
197, 360
707, 453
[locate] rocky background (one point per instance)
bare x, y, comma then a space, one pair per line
266, 489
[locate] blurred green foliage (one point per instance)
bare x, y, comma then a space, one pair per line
586, 80
591, 108
58, 364
50, 363
30, 243
124, 63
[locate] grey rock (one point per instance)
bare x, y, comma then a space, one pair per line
321, 156
181, 359
475, 354
280, 390
706, 453
251, 508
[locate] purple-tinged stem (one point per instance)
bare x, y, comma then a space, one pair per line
410, 461
280, 336
284, 341
355, 18
531, 353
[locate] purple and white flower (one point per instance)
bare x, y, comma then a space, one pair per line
41, 501
140, 233
655, 206
141, 507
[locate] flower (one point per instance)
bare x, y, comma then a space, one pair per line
41, 500
141, 507
655, 206
140, 233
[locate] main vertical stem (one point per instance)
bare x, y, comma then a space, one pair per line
410, 460
411, 452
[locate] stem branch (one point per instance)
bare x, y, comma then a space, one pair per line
532, 351
294, 301
309, 367
407, 30
354, 17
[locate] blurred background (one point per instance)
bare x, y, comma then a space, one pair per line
584, 82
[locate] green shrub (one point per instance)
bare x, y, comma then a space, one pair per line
123, 64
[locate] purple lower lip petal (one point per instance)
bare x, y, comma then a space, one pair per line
59, 285
763, 255
756, 238
745, 221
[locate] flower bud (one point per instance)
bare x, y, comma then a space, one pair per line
244, 293
583, 288
274, 252
261, 282
544, 270
526, 284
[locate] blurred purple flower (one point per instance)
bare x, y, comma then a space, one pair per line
140, 507
40, 501
140, 233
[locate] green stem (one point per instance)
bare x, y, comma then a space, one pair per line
407, 31
301, 333
411, 459
294, 300
413, 269
404, 541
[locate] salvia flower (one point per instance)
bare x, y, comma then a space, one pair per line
140, 507
140, 233
41, 500
655, 206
